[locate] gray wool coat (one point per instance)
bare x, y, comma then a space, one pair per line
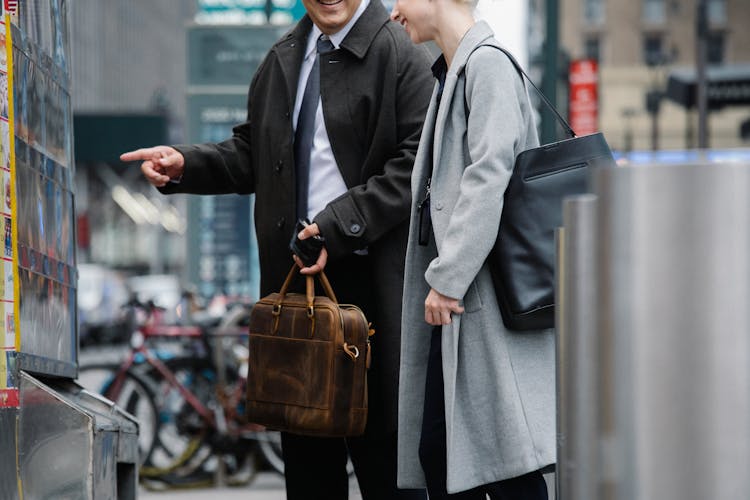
499, 384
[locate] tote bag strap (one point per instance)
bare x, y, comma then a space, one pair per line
560, 119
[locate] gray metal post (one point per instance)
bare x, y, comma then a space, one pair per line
672, 295
576, 351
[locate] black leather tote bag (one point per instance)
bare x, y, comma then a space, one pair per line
522, 261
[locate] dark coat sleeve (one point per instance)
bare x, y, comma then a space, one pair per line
221, 168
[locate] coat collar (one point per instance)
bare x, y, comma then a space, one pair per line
477, 35
290, 49
364, 30
357, 41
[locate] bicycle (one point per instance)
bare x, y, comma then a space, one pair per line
190, 409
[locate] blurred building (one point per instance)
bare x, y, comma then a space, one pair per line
130, 56
639, 44
128, 90
163, 72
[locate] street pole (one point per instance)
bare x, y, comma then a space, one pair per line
701, 83
549, 80
653, 103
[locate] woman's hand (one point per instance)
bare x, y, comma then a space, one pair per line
438, 308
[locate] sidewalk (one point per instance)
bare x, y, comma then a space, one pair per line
266, 486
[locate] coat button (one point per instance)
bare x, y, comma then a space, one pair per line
286, 115
354, 228
280, 223
278, 166
438, 206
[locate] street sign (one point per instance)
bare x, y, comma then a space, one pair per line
228, 55
727, 85
584, 101
253, 12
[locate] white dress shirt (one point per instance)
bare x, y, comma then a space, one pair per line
326, 182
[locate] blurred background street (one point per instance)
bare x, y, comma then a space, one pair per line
629, 69
145, 298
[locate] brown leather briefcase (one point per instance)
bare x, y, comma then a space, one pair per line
309, 357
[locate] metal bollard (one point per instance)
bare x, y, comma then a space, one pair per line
576, 350
671, 303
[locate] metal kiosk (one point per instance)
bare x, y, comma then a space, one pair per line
56, 439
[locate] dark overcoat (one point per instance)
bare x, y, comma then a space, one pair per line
375, 90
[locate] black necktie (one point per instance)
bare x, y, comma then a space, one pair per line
303, 135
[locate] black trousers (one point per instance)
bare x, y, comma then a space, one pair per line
315, 468
433, 448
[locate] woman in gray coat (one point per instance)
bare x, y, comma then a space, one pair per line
476, 401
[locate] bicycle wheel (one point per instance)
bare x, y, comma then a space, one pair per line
134, 396
187, 446
269, 443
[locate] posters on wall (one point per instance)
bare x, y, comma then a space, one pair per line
8, 395
37, 263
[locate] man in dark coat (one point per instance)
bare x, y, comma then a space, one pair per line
374, 90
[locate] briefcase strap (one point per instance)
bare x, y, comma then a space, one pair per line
327, 288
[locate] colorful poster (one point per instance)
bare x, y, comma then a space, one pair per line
8, 340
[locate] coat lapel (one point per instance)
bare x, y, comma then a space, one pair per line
290, 50
421, 161
442, 114
360, 37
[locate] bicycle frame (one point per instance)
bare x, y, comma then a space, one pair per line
152, 328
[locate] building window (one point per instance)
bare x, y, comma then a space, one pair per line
593, 11
715, 48
717, 11
654, 12
653, 53
592, 48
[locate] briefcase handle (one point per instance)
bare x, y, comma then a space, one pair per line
310, 285
309, 293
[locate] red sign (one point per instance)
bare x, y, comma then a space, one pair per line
8, 398
584, 100
11, 6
